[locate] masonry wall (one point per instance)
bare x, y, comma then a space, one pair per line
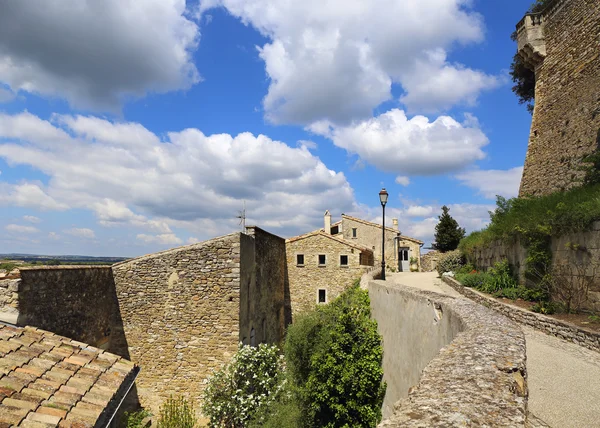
306, 280
78, 302
448, 362
566, 119
181, 317
581, 248
262, 304
370, 237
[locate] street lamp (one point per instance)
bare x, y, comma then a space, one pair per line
383, 197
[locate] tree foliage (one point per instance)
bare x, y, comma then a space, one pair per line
447, 232
334, 358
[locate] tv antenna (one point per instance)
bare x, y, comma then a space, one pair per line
242, 216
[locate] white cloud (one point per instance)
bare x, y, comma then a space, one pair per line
418, 211
189, 181
29, 195
32, 219
393, 143
81, 232
337, 59
17, 228
164, 239
403, 180
95, 54
492, 182
54, 236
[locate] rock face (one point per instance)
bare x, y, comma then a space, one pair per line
562, 46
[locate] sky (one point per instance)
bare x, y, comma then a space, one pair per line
129, 127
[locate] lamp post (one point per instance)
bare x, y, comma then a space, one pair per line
383, 197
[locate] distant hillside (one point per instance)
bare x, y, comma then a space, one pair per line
60, 260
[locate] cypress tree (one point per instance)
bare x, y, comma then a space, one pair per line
447, 232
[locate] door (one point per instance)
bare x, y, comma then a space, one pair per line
403, 259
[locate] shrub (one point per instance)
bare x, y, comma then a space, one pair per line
241, 391
135, 419
334, 357
176, 413
451, 261
546, 308
473, 280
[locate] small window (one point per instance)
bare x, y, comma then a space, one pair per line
300, 259
322, 295
343, 260
354, 232
322, 260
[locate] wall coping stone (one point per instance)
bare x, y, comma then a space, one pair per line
479, 379
63, 267
371, 274
551, 326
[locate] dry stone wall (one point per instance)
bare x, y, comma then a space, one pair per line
448, 362
566, 118
180, 311
307, 279
574, 249
77, 302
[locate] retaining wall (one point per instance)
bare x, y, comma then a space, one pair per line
548, 325
448, 362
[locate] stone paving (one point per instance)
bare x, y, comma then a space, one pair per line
563, 378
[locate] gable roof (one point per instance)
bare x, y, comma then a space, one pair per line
321, 232
46, 379
389, 229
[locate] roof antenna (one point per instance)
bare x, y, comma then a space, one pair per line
242, 216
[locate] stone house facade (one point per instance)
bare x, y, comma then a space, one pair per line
561, 45
321, 266
398, 248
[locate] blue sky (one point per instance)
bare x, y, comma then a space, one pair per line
134, 126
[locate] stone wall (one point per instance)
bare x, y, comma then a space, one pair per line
307, 279
448, 361
180, 312
574, 249
9, 300
566, 118
429, 261
566, 331
78, 302
369, 235
263, 303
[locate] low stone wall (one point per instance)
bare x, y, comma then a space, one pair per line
73, 301
370, 275
548, 325
448, 361
581, 248
429, 261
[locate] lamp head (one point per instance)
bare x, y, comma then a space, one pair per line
383, 197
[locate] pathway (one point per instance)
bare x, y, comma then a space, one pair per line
563, 378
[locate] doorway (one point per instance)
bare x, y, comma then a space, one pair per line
403, 259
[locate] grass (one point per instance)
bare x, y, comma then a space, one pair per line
551, 215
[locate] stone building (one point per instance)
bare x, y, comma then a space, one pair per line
398, 248
562, 46
321, 266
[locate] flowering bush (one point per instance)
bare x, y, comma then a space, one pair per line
241, 391
451, 261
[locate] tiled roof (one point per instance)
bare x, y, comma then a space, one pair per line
321, 232
389, 229
49, 380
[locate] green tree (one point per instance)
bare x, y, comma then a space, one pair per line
447, 232
334, 358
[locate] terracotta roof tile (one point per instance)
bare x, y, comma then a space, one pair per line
49, 380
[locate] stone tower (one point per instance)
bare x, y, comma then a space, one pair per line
562, 46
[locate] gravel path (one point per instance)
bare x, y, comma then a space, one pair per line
563, 378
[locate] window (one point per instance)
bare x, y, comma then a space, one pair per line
322, 297
322, 260
354, 232
335, 230
343, 260
300, 259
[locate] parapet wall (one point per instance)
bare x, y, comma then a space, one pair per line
562, 44
448, 361
74, 301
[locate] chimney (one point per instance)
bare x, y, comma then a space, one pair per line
395, 223
327, 222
